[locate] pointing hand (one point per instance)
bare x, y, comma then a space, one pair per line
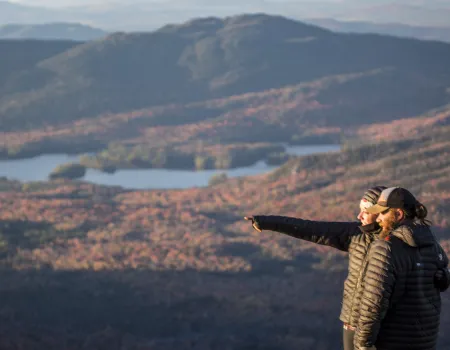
254, 223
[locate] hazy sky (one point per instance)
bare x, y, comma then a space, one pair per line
119, 15
64, 3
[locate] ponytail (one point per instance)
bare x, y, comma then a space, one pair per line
421, 213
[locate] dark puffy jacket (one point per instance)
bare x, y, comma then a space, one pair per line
443, 279
346, 236
400, 304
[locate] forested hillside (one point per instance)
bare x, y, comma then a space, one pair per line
233, 287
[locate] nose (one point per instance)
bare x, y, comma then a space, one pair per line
359, 216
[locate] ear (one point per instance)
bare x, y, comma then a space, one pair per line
400, 215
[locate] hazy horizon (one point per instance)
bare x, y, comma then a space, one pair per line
76, 3
144, 15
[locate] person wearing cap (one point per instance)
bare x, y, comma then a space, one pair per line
400, 304
352, 237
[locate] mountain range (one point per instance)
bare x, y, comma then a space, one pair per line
213, 58
80, 32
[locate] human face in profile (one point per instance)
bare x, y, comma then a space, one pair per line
389, 220
365, 218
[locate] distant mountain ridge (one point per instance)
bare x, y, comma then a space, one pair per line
143, 16
51, 31
81, 32
397, 29
406, 13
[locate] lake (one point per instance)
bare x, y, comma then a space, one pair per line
38, 169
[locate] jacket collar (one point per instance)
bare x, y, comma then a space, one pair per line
372, 228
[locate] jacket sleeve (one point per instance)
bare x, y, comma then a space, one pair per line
379, 284
334, 234
442, 276
442, 279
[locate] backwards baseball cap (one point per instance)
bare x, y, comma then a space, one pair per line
393, 197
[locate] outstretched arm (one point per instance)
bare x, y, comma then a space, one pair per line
334, 234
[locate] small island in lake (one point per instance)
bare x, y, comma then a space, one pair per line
68, 171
